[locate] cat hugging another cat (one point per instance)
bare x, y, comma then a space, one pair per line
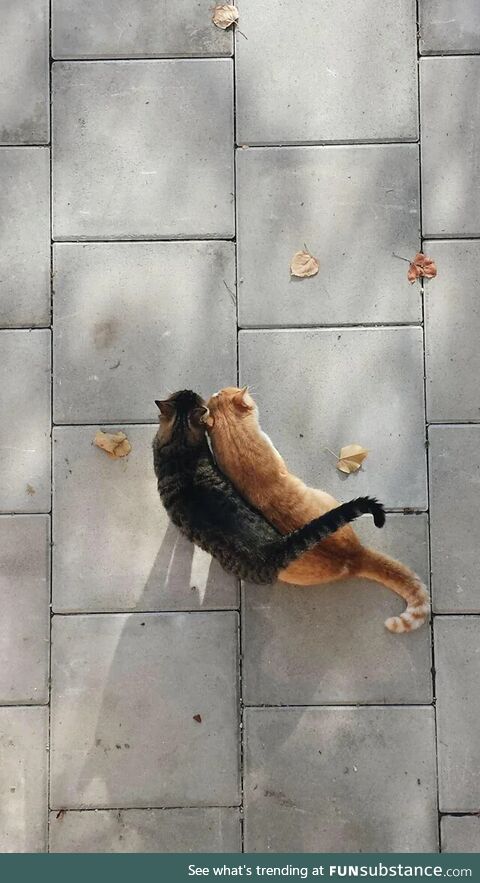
247, 510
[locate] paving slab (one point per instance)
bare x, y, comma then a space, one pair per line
340, 780
25, 425
457, 662
452, 323
450, 120
24, 73
125, 690
134, 320
25, 593
354, 207
460, 833
23, 779
140, 29
25, 255
338, 623
211, 829
449, 26
114, 546
312, 79
454, 477
125, 165
332, 387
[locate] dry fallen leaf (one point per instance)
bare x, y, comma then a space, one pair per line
351, 458
225, 15
197, 718
60, 814
114, 444
303, 264
421, 266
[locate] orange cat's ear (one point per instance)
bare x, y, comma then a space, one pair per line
166, 408
243, 400
199, 415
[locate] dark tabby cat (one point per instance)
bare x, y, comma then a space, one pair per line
209, 511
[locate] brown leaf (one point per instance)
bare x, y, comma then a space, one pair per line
421, 266
197, 718
114, 444
60, 814
303, 264
351, 458
225, 15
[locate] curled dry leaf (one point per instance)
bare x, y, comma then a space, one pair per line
303, 264
351, 458
225, 15
197, 718
114, 444
421, 266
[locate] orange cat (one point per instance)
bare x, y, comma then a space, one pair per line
247, 456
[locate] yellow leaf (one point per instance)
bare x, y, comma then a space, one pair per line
351, 458
303, 264
225, 15
114, 444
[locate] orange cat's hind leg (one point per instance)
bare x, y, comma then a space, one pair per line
308, 571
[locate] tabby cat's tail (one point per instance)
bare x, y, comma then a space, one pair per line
299, 541
400, 579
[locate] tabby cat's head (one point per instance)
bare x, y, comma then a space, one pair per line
182, 418
230, 405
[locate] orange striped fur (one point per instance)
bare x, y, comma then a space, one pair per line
247, 456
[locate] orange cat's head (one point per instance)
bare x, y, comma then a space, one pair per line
231, 405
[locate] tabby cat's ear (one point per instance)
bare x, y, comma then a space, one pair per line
199, 415
243, 400
166, 408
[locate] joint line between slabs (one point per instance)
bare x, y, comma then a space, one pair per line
200, 807
50, 551
241, 753
425, 405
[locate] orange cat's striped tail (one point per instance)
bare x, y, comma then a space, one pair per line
400, 579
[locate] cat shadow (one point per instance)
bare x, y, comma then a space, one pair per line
184, 578
170, 579
172, 566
